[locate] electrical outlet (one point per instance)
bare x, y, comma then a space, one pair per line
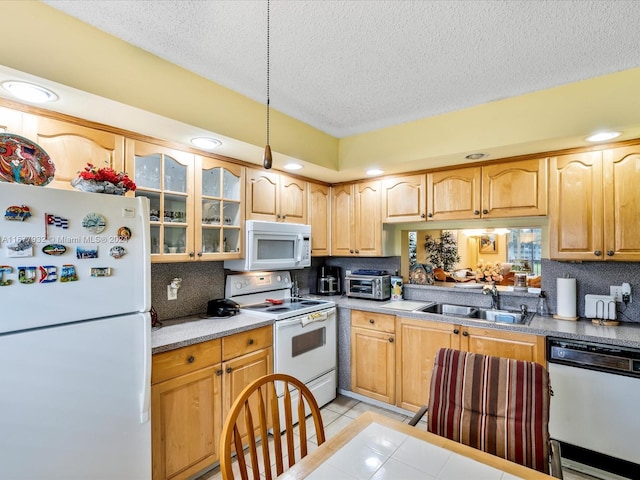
616, 292
172, 293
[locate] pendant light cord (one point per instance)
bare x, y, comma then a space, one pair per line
268, 62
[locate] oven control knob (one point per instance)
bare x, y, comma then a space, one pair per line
239, 285
278, 278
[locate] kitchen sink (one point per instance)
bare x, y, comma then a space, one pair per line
483, 314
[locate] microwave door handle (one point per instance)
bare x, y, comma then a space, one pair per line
299, 245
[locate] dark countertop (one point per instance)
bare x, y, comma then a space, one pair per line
184, 331
625, 334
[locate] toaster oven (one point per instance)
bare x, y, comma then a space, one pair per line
373, 287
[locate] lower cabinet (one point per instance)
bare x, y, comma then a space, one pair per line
192, 390
373, 353
392, 357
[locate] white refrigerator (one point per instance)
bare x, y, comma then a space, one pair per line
75, 335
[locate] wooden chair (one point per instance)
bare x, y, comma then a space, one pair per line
257, 411
494, 404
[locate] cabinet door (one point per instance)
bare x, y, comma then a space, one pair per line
165, 176
575, 207
71, 146
373, 364
293, 200
239, 372
454, 194
417, 344
404, 199
368, 221
515, 189
622, 203
319, 218
219, 214
11, 121
342, 221
262, 195
519, 346
185, 424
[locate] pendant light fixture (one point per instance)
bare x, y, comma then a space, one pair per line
267, 160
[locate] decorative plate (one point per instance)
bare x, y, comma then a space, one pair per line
94, 222
22, 161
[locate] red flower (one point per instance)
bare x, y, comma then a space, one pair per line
107, 174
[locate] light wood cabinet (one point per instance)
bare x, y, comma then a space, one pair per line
71, 147
320, 219
404, 199
373, 355
595, 206
419, 340
192, 390
356, 224
512, 189
11, 121
275, 197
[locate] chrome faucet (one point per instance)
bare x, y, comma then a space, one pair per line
493, 291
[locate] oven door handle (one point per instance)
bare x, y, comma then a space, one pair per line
324, 316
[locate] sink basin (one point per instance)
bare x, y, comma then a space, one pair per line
482, 314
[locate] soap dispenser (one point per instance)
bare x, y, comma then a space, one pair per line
543, 309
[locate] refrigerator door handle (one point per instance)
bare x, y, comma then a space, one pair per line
145, 395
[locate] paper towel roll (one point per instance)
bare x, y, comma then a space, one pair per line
567, 297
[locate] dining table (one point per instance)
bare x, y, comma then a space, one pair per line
377, 447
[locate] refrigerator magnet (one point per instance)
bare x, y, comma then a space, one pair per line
48, 273
117, 251
68, 273
54, 249
101, 271
124, 233
21, 248
17, 213
83, 253
5, 269
94, 222
27, 275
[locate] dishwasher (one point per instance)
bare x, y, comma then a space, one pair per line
595, 407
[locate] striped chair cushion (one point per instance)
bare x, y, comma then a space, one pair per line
498, 405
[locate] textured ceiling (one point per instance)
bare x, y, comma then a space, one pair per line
352, 66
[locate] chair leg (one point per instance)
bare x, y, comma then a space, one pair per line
419, 414
556, 459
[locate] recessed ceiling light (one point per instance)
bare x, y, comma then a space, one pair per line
292, 166
206, 143
29, 92
602, 136
374, 171
476, 156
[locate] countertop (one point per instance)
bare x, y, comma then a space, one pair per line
184, 331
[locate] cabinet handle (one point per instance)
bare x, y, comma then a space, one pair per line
430, 215
391, 340
465, 334
191, 359
192, 254
199, 254
251, 341
371, 321
422, 215
456, 331
476, 212
218, 373
485, 211
610, 253
597, 253
229, 370
284, 216
350, 251
278, 216
357, 251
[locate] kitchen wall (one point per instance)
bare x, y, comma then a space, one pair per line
203, 281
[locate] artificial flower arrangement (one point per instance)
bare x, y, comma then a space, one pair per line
489, 272
103, 180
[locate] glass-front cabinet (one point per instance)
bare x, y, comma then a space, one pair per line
165, 177
218, 214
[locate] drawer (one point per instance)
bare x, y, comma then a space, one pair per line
374, 321
183, 360
246, 342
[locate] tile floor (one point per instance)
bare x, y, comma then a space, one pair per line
342, 411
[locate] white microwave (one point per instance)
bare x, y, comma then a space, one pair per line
273, 246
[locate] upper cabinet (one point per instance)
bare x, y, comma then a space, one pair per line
320, 219
513, 189
356, 223
72, 146
274, 197
10, 121
404, 199
595, 206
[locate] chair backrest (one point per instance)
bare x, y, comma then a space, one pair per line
498, 405
258, 411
